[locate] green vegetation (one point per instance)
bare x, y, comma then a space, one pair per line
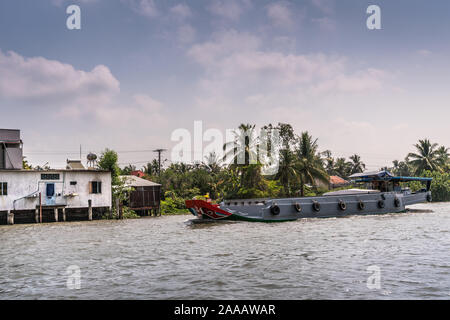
303, 171
109, 161
429, 160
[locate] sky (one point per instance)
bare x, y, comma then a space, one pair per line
138, 70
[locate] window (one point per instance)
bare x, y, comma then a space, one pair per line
50, 176
73, 183
3, 188
95, 187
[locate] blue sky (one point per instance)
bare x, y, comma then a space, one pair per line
139, 69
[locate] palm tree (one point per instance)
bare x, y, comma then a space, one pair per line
357, 165
128, 169
443, 156
342, 168
243, 152
287, 173
151, 168
309, 165
328, 161
212, 163
426, 157
401, 168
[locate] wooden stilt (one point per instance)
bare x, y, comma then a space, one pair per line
90, 210
56, 214
10, 218
64, 214
36, 215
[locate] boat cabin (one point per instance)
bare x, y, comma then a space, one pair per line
384, 181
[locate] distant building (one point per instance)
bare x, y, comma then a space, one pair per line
138, 173
145, 197
333, 182
337, 182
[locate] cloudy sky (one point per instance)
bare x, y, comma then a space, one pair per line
139, 69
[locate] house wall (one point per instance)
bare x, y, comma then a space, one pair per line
26, 182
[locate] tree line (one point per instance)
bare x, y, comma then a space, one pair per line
303, 169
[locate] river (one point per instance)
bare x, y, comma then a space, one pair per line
394, 256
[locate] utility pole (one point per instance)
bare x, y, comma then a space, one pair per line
159, 151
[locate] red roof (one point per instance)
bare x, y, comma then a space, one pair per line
337, 180
138, 173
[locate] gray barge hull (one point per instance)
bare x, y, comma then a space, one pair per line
277, 210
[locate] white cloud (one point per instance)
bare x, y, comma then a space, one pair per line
325, 23
280, 14
230, 9
181, 10
325, 6
61, 2
424, 53
186, 33
138, 112
145, 8
58, 89
44, 80
237, 59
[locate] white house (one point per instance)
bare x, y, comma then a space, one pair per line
31, 190
74, 191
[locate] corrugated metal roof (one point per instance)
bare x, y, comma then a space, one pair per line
382, 173
134, 181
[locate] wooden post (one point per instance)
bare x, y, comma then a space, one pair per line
56, 214
120, 212
90, 210
64, 214
10, 218
117, 207
36, 215
40, 207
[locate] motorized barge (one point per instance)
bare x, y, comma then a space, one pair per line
384, 196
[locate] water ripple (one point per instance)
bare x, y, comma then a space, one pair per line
167, 258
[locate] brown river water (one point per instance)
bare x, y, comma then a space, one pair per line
168, 258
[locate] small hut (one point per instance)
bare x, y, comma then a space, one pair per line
145, 197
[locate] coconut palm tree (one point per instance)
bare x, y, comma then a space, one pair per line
401, 168
342, 168
212, 163
243, 149
328, 161
357, 166
443, 156
287, 173
243, 153
309, 165
426, 157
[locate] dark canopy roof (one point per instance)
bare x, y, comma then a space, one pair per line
383, 175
